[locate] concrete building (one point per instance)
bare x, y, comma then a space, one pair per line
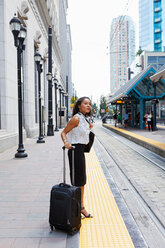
37, 16
122, 50
157, 59
152, 25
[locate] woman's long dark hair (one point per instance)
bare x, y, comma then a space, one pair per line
78, 103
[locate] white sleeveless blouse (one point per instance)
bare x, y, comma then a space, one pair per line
79, 134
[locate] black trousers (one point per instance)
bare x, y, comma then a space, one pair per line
79, 165
149, 126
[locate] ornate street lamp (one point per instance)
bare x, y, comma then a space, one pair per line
39, 61
67, 98
154, 101
62, 92
60, 89
19, 33
56, 105
50, 131
49, 76
66, 105
15, 26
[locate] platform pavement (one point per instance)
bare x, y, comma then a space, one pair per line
25, 186
154, 141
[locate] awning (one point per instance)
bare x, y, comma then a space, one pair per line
139, 87
159, 75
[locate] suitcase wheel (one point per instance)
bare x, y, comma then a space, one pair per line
51, 227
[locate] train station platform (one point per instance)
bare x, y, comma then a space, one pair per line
107, 228
154, 141
25, 186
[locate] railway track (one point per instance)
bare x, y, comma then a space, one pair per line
161, 160
150, 157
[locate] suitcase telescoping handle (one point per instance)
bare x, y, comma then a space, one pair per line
64, 166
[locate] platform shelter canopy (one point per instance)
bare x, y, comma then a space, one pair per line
139, 87
159, 75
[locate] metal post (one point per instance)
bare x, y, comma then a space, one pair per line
60, 108
154, 108
56, 106
141, 113
144, 112
121, 113
67, 105
136, 114
20, 151
40, 138
132, 115
62, 99
50, 131
129, 73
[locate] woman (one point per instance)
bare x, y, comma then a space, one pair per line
76, 133
149, 117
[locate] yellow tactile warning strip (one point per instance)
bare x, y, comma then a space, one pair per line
107, 228
147, 140
160, 126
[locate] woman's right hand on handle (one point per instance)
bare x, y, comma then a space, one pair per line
67, 145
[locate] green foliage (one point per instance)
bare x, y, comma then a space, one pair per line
139, 52
103, 106
94, 108
73, 99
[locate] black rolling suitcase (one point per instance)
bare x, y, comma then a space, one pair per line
65, 204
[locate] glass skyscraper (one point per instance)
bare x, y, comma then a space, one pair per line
152, 25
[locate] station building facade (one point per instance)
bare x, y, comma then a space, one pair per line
36, 16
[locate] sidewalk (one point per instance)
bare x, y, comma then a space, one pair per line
25, 186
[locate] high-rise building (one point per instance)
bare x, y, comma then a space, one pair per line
122, 50
152, 25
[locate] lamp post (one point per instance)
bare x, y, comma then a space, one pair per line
60, 89
154, 107
66, 105
50, 131
19, 33
67, 99
63, 92
39, 61
56, 105
129, 73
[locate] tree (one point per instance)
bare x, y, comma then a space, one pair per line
139, 52
103, 106
94, 108
73, 100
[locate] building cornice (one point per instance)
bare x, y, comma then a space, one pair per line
39, 9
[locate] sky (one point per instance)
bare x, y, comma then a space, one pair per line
90, 22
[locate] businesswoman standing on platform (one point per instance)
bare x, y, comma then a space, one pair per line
76, 133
